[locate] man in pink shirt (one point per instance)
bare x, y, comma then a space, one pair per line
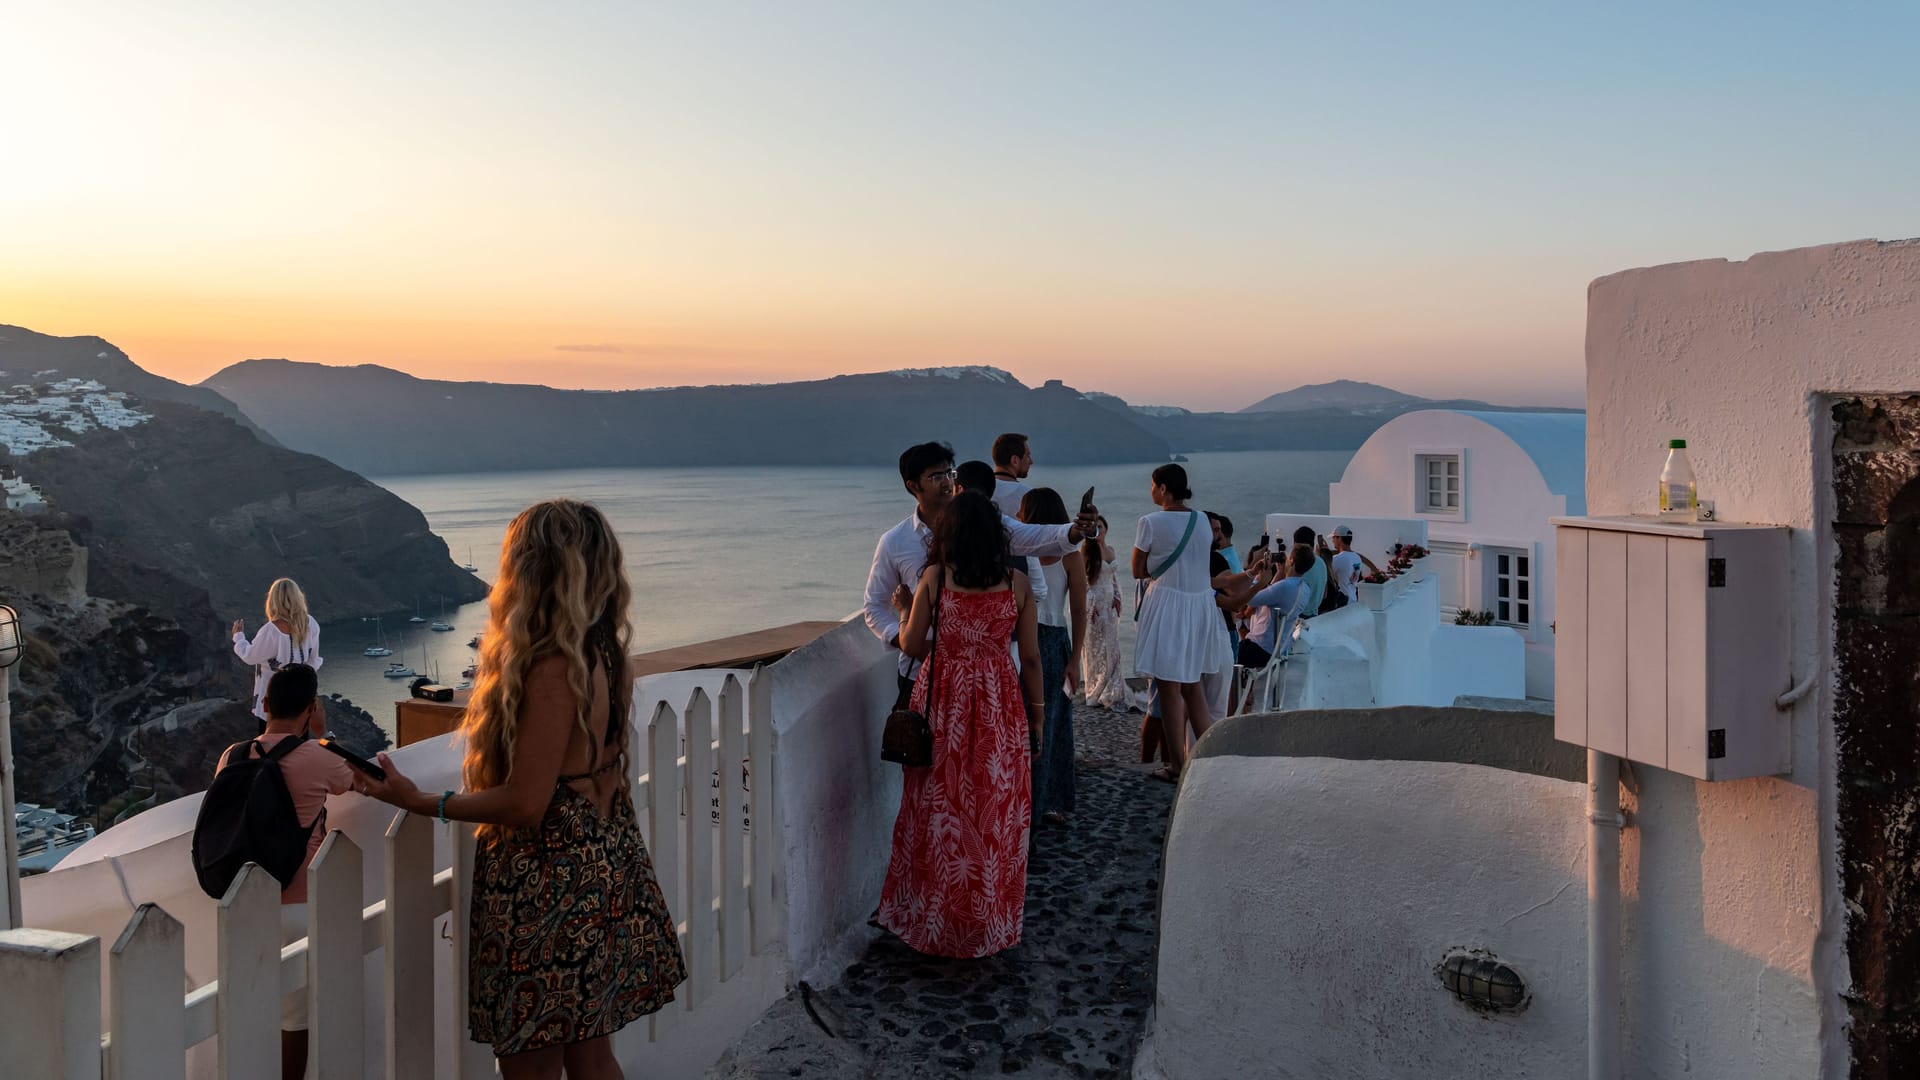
293, 710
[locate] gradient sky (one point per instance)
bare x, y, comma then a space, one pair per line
1194, 204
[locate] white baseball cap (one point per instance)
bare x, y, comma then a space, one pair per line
1343, 532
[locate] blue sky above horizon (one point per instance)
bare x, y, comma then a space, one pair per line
1185, 204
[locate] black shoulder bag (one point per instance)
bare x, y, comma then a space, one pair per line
908, 738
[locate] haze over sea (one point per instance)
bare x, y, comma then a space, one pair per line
714, 552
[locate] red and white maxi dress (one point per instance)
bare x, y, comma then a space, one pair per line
957, 881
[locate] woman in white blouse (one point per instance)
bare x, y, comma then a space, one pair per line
290, 636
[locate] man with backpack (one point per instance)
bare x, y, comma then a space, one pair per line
267, 805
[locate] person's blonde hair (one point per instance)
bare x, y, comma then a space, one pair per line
286, 601
562, 589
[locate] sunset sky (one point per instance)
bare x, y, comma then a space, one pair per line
1184, 203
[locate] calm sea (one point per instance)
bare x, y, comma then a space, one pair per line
714, 552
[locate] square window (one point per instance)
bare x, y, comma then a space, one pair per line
1439, 483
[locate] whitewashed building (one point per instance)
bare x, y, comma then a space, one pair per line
1486, 484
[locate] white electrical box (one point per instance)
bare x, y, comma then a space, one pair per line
1673, 643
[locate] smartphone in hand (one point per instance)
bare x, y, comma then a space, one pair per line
353, 759
1086, 502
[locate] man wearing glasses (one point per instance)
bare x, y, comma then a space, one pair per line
927, 472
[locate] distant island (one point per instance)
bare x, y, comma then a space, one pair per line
382, 422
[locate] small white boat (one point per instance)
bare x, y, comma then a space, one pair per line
443, 627
379, 646
417, 617
468, 565
398, 671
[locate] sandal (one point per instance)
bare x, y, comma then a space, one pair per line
1053, 817
1166, 773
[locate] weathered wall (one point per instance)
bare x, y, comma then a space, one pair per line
837, 798
1288, 949
1736, 931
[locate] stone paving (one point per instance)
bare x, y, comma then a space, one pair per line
1069, 1001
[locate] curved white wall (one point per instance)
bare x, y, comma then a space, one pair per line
1505, 501
1307, 902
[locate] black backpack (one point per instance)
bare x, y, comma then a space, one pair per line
247, 816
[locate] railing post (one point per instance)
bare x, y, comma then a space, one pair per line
50, 1026
407, 940
664, 802
336, 980
248, 999
148, 970
470, 1059
734, 945
766, 831
701, 927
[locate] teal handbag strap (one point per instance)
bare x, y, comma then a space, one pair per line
1193, 518
1140, 588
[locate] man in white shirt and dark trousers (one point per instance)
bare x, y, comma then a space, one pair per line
1347, 562
927, 472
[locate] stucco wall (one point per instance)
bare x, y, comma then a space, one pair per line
1289, 949
1735, 929
1505, 502
837, 798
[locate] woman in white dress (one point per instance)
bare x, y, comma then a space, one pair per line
290, 636
1180, 628
1100, 674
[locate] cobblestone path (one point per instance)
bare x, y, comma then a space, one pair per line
1069, 1001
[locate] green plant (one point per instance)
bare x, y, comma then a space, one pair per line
1470, 617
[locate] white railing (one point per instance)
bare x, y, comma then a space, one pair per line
718, 879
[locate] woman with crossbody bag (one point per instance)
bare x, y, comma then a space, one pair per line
957, 878
1179, 621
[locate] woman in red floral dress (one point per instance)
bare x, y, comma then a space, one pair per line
957, 881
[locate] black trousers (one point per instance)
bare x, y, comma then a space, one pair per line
1252, 655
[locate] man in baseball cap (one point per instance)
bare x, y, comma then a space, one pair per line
1347, 563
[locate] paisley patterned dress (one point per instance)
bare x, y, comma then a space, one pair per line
1101, 677
957, 881
571, 935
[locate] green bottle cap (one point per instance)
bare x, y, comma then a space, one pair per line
1676, 444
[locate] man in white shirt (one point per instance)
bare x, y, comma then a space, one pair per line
1347, 563
927, 472
1012, 461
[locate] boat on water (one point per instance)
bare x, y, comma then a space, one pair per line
379, 646
468, 565
474, 642
470, 671
397, 670
417, 617
441, 625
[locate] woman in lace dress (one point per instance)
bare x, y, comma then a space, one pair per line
1101, 676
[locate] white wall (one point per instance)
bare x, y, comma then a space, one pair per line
837, 798
1505, 502
1411, 657
1270, 967
1735, 925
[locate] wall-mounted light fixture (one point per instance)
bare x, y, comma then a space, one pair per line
10, 643
1483, 982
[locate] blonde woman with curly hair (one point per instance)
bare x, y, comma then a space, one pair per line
571, 937
290, 636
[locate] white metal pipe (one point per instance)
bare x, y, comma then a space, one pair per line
10, 914
1603, 916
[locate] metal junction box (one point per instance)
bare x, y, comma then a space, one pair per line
1673, 643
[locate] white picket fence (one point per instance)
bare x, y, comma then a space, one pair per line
718, 881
